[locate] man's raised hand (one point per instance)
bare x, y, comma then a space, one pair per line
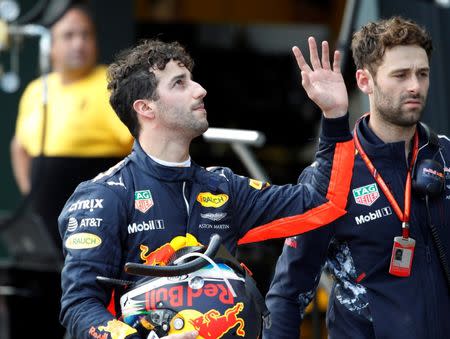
323, 84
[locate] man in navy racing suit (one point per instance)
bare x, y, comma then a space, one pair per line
157, 200
380, 290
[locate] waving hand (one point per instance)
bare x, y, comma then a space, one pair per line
323, 84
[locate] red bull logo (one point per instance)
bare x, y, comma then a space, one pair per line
96, 335
433, 172
182, 295
115, 328
161, 256
212, 325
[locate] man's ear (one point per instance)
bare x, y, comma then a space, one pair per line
145, 108
364, 80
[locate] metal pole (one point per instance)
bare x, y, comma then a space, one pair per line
240, 140
249, 161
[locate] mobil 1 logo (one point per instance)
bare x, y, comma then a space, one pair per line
371, 216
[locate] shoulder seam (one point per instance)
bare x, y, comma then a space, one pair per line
111, 171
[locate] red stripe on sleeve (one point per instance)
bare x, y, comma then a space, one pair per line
338, 190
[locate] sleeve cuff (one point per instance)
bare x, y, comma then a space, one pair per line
335, 129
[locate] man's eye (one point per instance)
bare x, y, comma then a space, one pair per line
399, 75
68, 36
179, 83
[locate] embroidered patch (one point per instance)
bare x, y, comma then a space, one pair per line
256, 184
208, 199
213, 216
81, 241
143, 200
366, 195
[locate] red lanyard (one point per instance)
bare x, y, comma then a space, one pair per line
404, 216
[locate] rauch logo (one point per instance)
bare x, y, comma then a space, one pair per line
81, 241
208, 199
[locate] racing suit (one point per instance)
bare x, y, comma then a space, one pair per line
132, 212
366, 300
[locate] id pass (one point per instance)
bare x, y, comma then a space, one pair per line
402, 256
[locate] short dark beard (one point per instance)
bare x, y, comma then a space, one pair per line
395, 115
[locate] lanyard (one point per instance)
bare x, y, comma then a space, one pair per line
404, 216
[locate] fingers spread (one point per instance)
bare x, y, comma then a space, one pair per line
325, 55
313, 54
300, 60
337, 62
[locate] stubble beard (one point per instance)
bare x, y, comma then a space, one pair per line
199, 127
393, 113
187, 122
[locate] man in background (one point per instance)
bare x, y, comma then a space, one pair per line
70, 139
76, 134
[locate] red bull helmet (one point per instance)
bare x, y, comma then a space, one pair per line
215, 297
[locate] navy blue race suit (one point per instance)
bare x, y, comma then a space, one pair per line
132, 212
366, 301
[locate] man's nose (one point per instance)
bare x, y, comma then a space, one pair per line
414, 84
79, 39
199, 91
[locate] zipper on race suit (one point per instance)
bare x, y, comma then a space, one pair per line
185, 198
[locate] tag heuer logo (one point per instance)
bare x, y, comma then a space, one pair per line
366, 195
143, 200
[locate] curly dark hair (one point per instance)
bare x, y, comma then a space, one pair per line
371, 42
131, 76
